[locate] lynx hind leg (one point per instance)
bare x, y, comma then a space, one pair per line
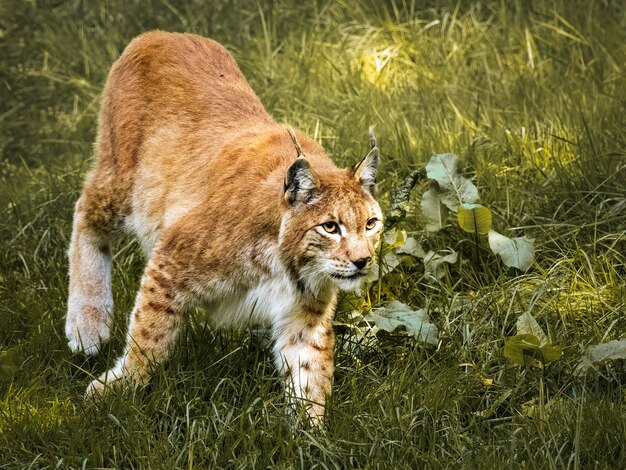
90, 302
152, 331
304, 356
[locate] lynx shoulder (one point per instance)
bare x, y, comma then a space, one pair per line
234, 212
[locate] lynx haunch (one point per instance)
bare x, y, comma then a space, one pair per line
234, 212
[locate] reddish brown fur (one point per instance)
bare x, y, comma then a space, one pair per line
190, 161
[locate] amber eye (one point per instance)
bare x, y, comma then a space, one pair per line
331, 227
371, 223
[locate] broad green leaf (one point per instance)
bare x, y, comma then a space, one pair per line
525, 350
442, 168
394, 238
462, 192
598, 353
615, 349
526, 324
521, 348
474, 218
434, 263
396, 314
551, 353
390, 262
433, 210
396, 243
516, 252
454, 189
411, 247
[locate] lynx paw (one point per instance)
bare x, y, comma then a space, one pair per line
96, 389
105, 382
87, 328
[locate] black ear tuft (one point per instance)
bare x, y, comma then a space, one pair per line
366, 170
301, 183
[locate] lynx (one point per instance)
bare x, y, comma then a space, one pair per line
236, 213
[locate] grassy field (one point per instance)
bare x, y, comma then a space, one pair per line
530, 95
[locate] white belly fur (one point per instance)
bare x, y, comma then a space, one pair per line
270, 300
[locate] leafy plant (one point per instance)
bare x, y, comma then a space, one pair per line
393, 317
398, 315
448, 192
531, 345
451, 192
599, 353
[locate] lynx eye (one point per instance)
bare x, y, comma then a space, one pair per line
371, 223
331, 227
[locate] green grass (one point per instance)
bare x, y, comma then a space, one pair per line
530, 95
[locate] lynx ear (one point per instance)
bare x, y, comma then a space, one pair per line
301, 183
365, 171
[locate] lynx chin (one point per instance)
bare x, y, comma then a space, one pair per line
234, 212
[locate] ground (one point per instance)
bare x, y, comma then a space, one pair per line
530, 95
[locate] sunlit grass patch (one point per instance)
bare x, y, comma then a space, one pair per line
26, 410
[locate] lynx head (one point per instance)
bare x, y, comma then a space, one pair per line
333, 223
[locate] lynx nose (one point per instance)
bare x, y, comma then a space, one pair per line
361, 262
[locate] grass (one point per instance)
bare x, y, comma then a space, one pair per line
532, 98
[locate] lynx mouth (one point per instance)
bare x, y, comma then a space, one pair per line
350, 277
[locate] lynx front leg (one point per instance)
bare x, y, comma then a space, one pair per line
152, 330
90, 302
304, 355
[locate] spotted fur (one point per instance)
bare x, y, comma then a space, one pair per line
232, 211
